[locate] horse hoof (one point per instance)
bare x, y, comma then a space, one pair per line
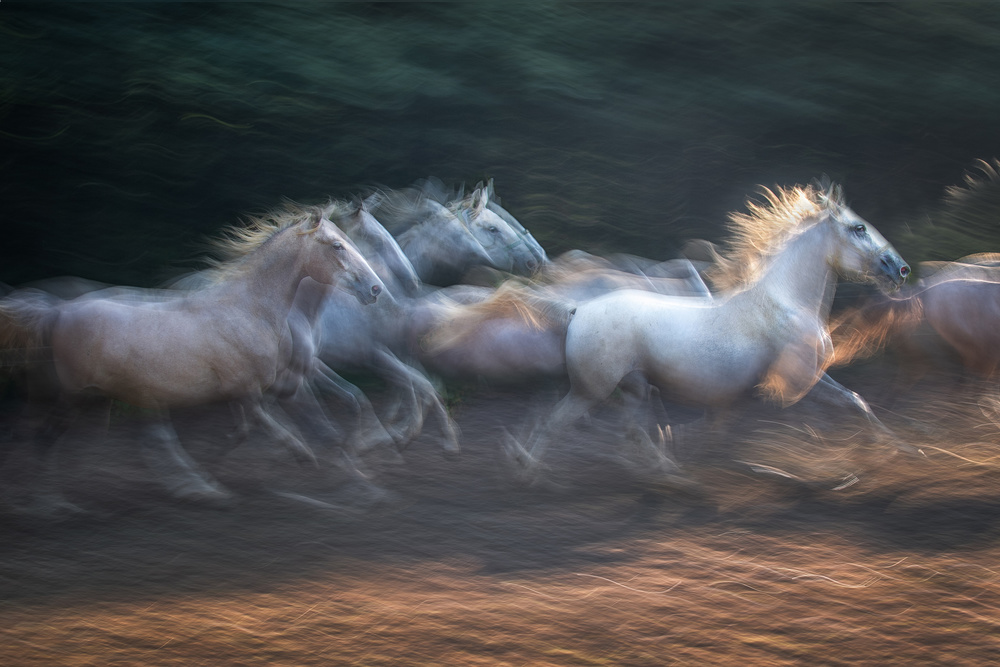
302, 452
49, 509
517, 453
849, 480
209, 495
374, 439
910, 449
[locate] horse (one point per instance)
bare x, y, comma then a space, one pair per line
765, 330
541, 257
224, 342
445, 238
511, 247
513, 337
439, 246
510, 335
953, 311
371, 339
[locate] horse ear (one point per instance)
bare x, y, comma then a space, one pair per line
480, 198
316, 216
830, 193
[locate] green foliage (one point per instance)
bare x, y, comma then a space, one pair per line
129, 131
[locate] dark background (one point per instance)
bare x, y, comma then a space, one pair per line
129, 132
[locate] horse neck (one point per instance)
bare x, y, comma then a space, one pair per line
799, 276
310, 298
434, 254
270, 277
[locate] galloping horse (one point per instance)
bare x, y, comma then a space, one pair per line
372, 340
439, 246
509, 245
955, 306
224, 342
767, 329
445, 237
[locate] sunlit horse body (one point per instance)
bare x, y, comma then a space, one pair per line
224, 342
516, 334
767, 331
445, 238
953, 311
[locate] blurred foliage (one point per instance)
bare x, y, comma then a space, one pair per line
130, 131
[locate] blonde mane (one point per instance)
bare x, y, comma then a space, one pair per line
235, 242
510, 301
766, 228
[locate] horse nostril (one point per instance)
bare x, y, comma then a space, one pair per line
904, 271
376, 290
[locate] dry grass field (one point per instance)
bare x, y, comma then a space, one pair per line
602, 564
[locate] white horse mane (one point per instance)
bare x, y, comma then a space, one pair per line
766, 228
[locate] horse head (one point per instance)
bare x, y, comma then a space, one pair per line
379, 247
862, 253
508, 250
339, 262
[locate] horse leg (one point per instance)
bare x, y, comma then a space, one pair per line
241, 425
45, 499
835, 394
637, 417
180, 475
428, 398
304, 408
566, 411
369, 432
274, 429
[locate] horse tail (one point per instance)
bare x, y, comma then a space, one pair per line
26, 320
863, 331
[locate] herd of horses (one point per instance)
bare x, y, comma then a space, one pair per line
424, 285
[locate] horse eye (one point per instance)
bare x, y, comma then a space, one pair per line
860, 229
493, 229
338, 245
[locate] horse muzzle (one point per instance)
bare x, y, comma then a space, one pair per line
894, 268
370, 296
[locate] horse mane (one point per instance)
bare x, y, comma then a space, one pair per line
972, 207
235, 242
511, 300
766, 227
571, 264
400, 210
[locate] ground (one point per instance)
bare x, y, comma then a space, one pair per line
462, 563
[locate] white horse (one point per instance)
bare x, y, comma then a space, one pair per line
445, 235
372, 340
224, 342
766, 330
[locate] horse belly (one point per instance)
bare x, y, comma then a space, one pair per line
677, 343
502, 351
710, 373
